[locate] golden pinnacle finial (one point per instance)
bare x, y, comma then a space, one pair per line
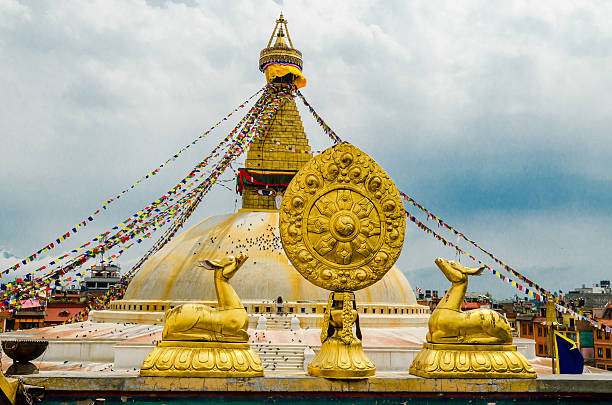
280, 39
281, 51
281, 20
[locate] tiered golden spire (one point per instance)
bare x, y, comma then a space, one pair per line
280, 52
282, 150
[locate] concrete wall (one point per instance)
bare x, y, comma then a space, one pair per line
80, 350
306, 320
128, 357
526, 347
385, 358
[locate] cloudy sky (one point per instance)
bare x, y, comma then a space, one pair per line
494, 115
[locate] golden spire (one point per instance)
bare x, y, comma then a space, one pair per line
282, 150
280, 52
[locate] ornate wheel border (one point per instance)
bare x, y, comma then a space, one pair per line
344, 171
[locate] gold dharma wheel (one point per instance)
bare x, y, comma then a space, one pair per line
342, 220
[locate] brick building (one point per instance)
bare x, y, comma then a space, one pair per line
602, 341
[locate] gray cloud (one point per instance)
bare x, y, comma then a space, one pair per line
494, 115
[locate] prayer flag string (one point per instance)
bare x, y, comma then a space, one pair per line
252, 129
535, 291
51, 245
128, 232
330, 132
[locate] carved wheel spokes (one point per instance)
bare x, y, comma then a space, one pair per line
341, 231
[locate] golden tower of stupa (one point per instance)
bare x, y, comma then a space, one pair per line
275, 158
267, 283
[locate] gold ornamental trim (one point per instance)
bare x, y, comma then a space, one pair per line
283, 55
342, 220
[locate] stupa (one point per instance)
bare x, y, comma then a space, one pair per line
285, 311
102, 357
268, 283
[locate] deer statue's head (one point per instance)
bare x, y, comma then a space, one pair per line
225, 267
455, 272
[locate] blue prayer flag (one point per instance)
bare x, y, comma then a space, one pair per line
569, 358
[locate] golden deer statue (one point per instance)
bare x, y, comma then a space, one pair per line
201, 341
449, 324
470, 344
227, 323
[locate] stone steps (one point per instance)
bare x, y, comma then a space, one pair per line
276, 322
280, 357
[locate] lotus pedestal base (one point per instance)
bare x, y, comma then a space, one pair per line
202, 359
340, 360
470, 361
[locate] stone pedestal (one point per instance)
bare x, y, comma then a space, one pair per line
470, 361
202, 359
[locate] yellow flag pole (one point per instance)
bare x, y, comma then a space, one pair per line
551, 320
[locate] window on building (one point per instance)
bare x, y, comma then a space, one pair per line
524, 329
598, 334
365, 310
600, 352
540, 349
607, 335
291, 309
530, 329
314, 310
302, 310
256, 310
268, 309
545, 332
373, 310
608, 353
539, 331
